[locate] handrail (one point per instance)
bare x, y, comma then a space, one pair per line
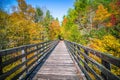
28, 57
81, 55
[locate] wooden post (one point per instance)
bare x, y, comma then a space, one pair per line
44, 47
107, 65
41, 50
73, 47
69, 45
87, 53
1, 71
78, 49
24, 59
35, 53
48, 45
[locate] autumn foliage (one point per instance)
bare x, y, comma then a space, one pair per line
95, 24
23, 26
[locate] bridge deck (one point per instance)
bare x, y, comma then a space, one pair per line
59, 66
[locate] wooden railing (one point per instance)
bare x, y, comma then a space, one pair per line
18, 62
89, 65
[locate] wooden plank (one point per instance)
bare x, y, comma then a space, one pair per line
59, 66
106, 60
106, 57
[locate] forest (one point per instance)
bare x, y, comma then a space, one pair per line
92, 23
95, 24
26, 25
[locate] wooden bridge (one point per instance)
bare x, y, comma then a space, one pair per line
56, 60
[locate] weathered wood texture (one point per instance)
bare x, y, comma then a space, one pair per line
26, 57
89, 64
59, 66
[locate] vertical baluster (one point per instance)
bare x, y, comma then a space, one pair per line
35, 53
26, 59
107, 65
52, 43
71, 48
41, 48
1, 71
23, 60
48, 45
75, 47
39, 51
87, 53
43, 45
69, 45
78, 49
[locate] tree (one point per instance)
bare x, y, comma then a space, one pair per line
38, 14
115, 11
54, 30
4, 19
46, 23
85, 13
101, 15
27, 11
22, 5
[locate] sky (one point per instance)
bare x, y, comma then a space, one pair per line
58, 8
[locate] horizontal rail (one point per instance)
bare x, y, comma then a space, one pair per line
81, 55
108, 58
29, 56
